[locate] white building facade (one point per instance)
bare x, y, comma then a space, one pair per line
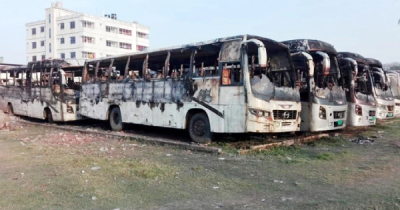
66, 34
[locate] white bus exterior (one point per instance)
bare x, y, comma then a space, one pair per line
394, 80
324, 105
236, 84
382, 93
42, 90
359, 89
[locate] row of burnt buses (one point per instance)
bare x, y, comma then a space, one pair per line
240, 84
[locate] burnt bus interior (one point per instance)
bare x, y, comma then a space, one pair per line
205, 61
323, 77
379, 78
46, 74
362, 88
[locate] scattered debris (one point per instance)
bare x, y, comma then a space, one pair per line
262, 200
168, 155
334, 134
362, 140
286, 199
278, 181
286, 143
95, 168
94, 198
221, 158
215, 187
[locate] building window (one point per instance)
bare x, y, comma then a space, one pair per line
62, 55
87, 24
88, 55
34, 58
73, 55
43, 57
142, 35
49, 18
112, 29
49, 47
33, 45
87, 39
72, 24
112, 44
125, 46
61, 25
62, 40
33, 31
141, 48
125, 32
72, 40
49, 32
42, 29
42, 43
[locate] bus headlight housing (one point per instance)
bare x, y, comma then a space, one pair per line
322, 112
259, 113
358, 110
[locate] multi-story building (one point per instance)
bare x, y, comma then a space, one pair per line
67, 34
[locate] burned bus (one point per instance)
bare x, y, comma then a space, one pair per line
359, 89
394, 84
381, 90
46, 90
236, 84
324, 105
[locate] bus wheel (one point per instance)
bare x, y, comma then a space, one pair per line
10, 109
116, 119
49, 116
199, 129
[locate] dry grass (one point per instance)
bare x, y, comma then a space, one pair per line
43, 169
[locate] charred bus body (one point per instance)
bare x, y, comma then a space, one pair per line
359, 89
229, 85
324, 105
394, 84
45, 90
381, 90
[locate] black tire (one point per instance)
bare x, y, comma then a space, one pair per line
199, 129
49, 116
115, 119
10, 110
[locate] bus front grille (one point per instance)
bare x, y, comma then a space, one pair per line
372, 113
285, 114
338, 115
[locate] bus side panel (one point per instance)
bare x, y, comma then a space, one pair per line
19, 101
232, 99
91, 103
3, 103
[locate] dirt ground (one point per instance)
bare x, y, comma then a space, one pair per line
52, 169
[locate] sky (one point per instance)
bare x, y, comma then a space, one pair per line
366, 27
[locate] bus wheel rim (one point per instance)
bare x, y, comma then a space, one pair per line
199, 128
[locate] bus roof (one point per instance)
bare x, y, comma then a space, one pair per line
374, 63
7, 66
195, 45
357, 57
62, 63
309, 45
